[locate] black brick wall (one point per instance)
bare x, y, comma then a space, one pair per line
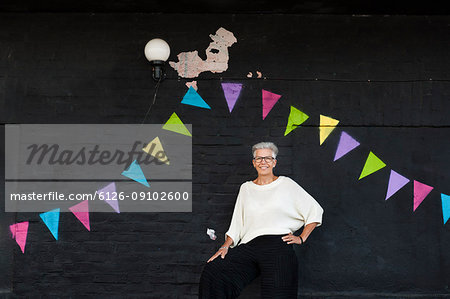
90, 68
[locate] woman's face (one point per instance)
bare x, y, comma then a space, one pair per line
264, 166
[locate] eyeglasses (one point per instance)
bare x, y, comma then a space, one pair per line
268, 159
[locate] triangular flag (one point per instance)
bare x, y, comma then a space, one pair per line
175, 124
19, 233
445, 206
396, 182
420, 192
81, 211
51, 219
194, 99
296, 118
346, 144
268, 101
155, 149
373, 164
231, 92
108, 193
134, 172
327, 125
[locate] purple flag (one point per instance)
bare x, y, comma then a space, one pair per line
108, 194
346, 144
396, 182
232, 92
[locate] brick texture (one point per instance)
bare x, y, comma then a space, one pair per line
384, 77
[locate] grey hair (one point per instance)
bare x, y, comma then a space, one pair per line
266, 145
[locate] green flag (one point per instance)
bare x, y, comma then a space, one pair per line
373, 164
296, 118
176, 125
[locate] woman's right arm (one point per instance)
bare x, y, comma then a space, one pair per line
233, 234
223, 249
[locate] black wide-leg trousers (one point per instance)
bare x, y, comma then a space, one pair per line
268, 256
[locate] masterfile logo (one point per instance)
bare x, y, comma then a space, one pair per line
53, 154
151, 168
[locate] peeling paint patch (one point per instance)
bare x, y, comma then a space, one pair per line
190, 65
192, 84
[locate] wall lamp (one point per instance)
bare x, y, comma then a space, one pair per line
157, 51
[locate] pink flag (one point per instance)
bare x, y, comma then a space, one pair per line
81, 211
420, 192
19, 232
268, 100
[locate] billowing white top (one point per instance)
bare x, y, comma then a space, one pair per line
280, 207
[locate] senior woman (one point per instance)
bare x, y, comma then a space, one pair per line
259, 241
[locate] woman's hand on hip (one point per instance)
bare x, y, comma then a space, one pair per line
291, 239
222, 252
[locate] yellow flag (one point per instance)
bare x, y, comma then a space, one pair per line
155, 149
327, 125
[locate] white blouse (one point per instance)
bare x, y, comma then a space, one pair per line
280, 207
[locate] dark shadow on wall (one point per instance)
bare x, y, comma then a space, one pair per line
6, 219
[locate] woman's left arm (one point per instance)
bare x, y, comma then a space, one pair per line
309, 212
307, 230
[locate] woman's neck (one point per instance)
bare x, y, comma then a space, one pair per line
265, 179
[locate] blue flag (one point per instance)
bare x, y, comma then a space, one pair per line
194, 99
134, 172
51, 219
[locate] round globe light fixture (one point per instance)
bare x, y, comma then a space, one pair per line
157, 51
